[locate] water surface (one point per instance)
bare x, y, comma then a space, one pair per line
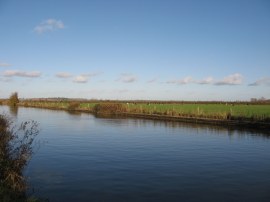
84, 158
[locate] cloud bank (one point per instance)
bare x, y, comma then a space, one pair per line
152, 80
207, 80
80, 79
234, 79
4, 64
49, 25
83, 78
13, 73
183, 81
127, 78
63, 75
262, 81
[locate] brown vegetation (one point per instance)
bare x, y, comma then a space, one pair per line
73, 106
110, 108
16, 149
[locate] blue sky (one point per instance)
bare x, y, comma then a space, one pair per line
165, 50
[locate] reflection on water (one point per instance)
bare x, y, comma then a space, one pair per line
109, 119
13, 110
216, 129
122, 159
74, 113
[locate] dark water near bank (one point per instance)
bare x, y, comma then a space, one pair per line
83, 158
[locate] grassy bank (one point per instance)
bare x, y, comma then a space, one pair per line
216, 111
246, 114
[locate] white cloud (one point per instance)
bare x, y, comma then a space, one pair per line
183, 81
91, 74
4, 64
80, 79
49, 25
32, 74
83, 78
127, 78
207, 80
63, 75
234, 79
262, 81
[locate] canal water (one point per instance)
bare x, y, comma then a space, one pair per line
80, 157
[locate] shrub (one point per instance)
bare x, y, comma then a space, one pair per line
15, 152
110, 108
73, 105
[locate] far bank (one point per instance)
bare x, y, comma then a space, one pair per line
239, 114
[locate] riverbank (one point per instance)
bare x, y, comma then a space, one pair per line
255, 116
209, 121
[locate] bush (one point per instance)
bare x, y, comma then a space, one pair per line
73, 105
15, 152
110, 108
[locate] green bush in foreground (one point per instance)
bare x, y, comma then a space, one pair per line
16, 149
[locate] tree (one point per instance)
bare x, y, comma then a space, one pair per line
13, 99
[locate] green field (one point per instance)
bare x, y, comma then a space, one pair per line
206, 110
